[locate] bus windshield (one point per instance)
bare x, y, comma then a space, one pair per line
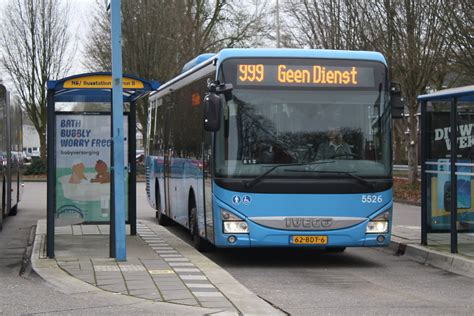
348, 129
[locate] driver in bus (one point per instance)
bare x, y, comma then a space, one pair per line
336, 148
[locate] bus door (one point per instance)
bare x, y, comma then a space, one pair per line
168, 174
168, 155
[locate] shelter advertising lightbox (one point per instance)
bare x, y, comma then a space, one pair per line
83, 173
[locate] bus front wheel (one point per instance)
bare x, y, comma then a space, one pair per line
199, 243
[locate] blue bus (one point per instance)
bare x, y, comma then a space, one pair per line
275, 148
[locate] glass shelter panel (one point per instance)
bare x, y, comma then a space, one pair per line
83, 171
437, 167
464, 172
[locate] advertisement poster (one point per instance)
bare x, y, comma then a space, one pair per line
439, 147
444, 185
83, 149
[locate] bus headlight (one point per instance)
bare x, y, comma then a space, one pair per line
235, 227
377, 227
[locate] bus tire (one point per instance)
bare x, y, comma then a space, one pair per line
199, 243
163, 220
14, 210
4, 200
18, 188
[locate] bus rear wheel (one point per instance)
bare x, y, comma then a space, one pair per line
163, 220
4, 199
14, 210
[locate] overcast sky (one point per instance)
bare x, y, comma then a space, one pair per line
81, 13
80, 19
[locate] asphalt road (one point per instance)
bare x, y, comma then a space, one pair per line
358, 281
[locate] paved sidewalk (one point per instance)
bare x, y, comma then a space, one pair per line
406, 240
160, 269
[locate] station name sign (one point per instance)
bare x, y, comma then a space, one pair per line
101, 82
314, 75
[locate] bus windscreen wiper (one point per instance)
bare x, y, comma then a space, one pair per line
349, 174
253, 182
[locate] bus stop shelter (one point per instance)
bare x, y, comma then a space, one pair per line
447, 169
80, 145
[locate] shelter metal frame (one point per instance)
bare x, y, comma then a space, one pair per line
453, 96
57, 92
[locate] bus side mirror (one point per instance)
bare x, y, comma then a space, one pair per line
212, 112
213, 104
397, 103
226, 90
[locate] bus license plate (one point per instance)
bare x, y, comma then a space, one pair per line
309, 240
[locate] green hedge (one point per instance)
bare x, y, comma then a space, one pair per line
37, 166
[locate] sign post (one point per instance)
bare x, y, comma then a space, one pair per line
118, 235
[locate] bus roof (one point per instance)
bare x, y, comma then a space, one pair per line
298, 53
196, 61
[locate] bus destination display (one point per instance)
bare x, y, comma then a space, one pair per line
316, 75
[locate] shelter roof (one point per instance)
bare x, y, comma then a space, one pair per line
465, 93
95, 87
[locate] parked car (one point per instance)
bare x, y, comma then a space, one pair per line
140, 156
3, 158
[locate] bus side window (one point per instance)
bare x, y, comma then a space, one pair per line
155, 127
151, 134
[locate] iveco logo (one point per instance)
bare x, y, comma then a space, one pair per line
304, 222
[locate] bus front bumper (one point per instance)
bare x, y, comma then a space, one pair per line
260, 236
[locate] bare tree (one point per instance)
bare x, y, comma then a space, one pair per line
410, 33
35, 48
160, 36
328, 24
458, 22
97, 49
419, 48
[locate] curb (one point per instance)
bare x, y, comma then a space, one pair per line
445, 261
413, 203
50, 272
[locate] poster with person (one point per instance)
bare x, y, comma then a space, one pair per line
83, 150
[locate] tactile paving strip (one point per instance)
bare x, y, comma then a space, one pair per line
199, 285
164, 275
